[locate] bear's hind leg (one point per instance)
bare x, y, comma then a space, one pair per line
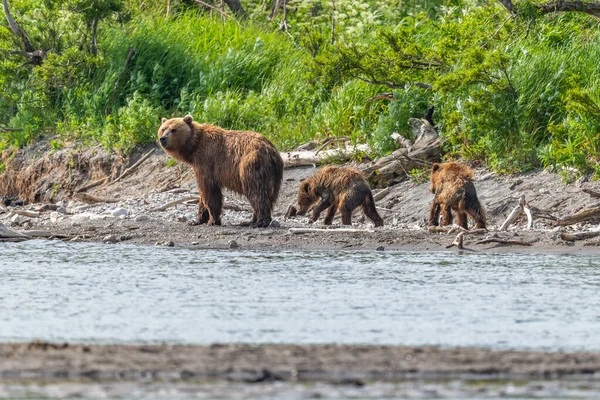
368, 207
434, 213
446, 215
461, 217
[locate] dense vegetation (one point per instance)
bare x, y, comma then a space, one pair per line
514, 88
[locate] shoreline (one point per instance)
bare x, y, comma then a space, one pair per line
134, 210
247, 363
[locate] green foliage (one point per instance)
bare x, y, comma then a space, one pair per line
513, 93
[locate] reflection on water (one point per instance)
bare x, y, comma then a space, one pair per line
124, 293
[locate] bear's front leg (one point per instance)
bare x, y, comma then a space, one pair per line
325, 202
330, 214
213, 198
203, 214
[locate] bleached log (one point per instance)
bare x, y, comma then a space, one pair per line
529, 217
307, 158
5, 232
297, 231
24, 213
458, 241
518, 210
173, 203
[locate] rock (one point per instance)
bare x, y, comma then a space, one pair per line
380, 248
61, 203
142, 218
55, 217
61, 210
169, 244
275, 224
17, 219
118, 212
48, 207
233, 244
181, 218
82, 208
110, 239
194, 243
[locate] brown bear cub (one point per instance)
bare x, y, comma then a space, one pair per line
337, 187
242, 161
452, 185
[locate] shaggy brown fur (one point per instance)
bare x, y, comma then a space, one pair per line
242, 161
452, 184
337, 187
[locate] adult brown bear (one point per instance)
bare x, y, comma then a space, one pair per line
334, 188
242, 161
453, 187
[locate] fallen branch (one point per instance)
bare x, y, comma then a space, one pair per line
115, 91
93, 184
518, 210
25, 213
173, 203
133, 167
381, 194
502, 241
570, 237
297, 231
584, 215
202, 3
90, 199
591, 193
458, 241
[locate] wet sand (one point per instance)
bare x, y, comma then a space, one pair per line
350, 364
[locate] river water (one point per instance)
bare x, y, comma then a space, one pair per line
97, 293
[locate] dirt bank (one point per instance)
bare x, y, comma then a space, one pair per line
55, 177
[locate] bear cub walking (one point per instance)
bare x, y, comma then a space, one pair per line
242, 161
334, 188
453, 187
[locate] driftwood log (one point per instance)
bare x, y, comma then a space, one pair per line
395, 168
303, 158
570, 237
584, 215
91, 199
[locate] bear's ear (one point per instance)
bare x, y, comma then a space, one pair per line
188, 119
163, 120
305, 187
435, 167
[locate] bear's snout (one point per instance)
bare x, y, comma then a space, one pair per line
163, 141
